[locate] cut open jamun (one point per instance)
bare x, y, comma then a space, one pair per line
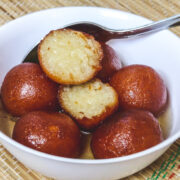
70, 57
90, 103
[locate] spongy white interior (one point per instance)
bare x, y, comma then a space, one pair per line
70, 55
89, 100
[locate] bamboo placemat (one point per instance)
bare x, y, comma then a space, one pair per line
168, 165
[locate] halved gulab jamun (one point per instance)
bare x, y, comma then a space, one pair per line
70, 57
89, 103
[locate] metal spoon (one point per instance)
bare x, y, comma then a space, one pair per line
104, 34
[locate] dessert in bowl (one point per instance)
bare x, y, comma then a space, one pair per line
20, 36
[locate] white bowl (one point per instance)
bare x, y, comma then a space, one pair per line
160, 51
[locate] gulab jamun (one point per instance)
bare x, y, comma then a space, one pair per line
26, 88
49, 132
90, 103
111, 63
70, 57
140, 87
126, 133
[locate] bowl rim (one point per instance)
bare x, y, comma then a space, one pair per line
167, 142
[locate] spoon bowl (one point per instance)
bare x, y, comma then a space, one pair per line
103, 34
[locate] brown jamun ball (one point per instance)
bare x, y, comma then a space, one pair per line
140, 87
26, 88
90, 103
110, 63
70, 57
126, 133
49, 132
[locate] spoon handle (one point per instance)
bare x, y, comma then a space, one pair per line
146, 29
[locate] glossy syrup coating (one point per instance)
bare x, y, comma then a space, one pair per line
111, 63
52, 133
27, 88
126, 133
140, 87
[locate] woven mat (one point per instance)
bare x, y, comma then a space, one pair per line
168, 165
